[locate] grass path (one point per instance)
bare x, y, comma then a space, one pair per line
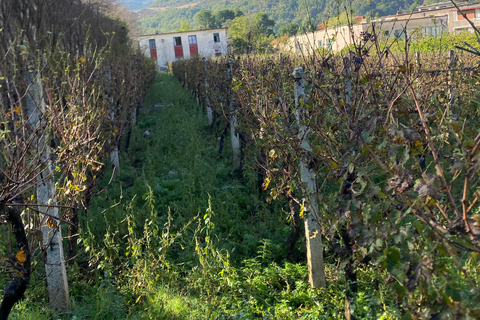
176, 169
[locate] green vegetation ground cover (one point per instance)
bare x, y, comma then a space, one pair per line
178, 236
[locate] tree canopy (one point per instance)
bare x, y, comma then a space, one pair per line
205, 19
252, 32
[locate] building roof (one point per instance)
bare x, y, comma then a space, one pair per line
170, 33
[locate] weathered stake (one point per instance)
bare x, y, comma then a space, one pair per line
233, 120
316, 268
114, 158
452, 88
52, 236
207, 101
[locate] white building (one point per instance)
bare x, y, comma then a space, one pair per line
168, 47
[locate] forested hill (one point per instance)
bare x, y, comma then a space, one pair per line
168, 15
136, 4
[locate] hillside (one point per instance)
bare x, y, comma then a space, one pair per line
172, 13
136, 4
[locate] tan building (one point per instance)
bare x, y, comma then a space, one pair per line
458, 22
330, 39
430, 20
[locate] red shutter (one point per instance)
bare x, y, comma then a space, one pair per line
153, 53
193, 49
469, 13
178, 51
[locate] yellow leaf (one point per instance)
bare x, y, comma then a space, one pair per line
469, 144
273, 193
50, 222
302, 211
333, 164
431, 203
418, 143
21, 256
16, 110
265, 184
9, 114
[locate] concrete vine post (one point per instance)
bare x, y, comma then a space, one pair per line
52, 236
452, 88
349, 269
348, 81
419, 61
233, 119
114, 157
207, 101
316, 268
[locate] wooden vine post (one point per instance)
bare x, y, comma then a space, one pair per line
316, 268
52, 235
207, 101
233, 120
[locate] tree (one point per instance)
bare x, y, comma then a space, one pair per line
205, 19
222, 16
252, 32
264, 24
308, 25
184, 26
290, 29
238, 12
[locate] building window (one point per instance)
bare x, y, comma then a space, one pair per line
192, 40
218, 54
329, 44
469, 13
151, 44
177, 41
398, 33
320, 43
387, 33
216, 37
177, 47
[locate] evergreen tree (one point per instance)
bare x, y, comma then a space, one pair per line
205, 19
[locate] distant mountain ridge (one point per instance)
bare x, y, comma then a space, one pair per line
136, 4
167, 15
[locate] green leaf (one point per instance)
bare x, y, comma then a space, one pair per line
453, 293
351, 167
393, 257
399, 290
